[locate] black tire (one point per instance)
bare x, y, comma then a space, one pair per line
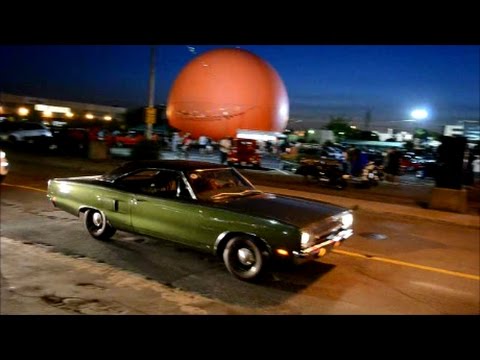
244, 259
97, 225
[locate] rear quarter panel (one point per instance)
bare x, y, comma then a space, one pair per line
72, 196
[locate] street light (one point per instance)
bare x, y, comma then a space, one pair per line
419, 114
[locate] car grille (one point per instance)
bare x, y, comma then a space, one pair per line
322, 231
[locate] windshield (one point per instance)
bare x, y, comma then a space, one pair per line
213, 184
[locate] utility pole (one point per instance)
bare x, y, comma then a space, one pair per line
150, 111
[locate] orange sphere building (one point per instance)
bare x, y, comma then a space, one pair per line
224, 90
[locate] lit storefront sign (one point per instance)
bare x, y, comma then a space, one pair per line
52, 109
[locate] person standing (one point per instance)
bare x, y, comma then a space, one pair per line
392, 166
186, 143
175, 141
225, 145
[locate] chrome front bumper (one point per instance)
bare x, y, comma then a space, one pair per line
324, 247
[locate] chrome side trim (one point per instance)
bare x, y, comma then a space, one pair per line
219, 240
188, 186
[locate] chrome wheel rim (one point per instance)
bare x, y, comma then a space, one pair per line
246, 257
97, 219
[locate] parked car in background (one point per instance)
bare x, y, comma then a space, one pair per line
131, 138
325, 171
29, 132
210, 207
291, 160
244, 152
3, 165
6, 127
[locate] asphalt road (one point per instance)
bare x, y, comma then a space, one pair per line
390, 266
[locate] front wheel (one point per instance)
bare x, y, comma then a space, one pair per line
244, 259
97, 225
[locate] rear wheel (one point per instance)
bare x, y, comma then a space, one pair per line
97, 225
244, 259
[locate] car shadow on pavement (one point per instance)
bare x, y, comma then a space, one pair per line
297, 278
204, 274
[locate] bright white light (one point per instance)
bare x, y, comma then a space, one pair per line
23, 111
69, 114
89, 116
419, 114
305, 238
107, 117
47, 113
53, 109
347, 220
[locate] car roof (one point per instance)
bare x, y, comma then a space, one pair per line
177, 165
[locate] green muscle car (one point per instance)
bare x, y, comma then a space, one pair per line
208, 206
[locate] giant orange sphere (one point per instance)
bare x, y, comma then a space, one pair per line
224, 90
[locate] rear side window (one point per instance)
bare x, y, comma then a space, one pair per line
155, 182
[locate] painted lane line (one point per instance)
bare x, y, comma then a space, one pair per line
403, 263
25, 187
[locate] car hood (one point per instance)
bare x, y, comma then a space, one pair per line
291, 210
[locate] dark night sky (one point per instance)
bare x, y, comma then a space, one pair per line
321, 80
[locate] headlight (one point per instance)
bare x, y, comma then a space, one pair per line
347, 220
2, 155
305, 238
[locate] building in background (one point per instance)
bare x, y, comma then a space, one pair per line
399, 136
468, 128
56, 112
